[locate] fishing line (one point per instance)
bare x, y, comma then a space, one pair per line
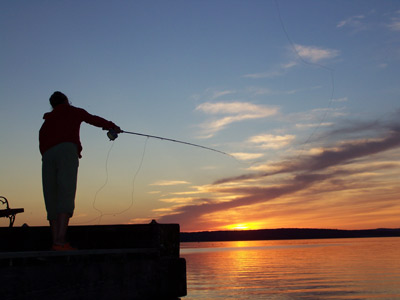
106, 181
331, 72
98, 191
104, 184
134, 179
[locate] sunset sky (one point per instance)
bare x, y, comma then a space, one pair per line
304, 94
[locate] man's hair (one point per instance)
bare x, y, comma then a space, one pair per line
58, 98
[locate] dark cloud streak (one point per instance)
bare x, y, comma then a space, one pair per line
255, 195
344, 154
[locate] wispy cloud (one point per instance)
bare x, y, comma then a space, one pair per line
218, 94
177, 200
310, 54
315, 54
383, 65
314, 125
231, 112
276, 71
270, 141
394, 24
313, 117
247, 156
343, 99
169, 182
213, 94
232, 108
289, 65
259, 90
266, 74
354, 22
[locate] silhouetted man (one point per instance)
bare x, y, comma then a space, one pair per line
61, 149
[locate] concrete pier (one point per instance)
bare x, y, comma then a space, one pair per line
113, 262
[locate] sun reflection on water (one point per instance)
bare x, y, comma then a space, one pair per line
303, 269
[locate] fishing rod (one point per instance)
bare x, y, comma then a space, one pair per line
112, 135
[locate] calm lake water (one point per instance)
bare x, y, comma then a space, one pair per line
367, 268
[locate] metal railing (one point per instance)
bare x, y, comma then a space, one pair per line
9, 212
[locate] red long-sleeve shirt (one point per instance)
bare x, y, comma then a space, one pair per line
63, 124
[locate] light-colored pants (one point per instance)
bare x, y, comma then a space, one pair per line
59, 177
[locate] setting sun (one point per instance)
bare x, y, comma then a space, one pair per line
242, 226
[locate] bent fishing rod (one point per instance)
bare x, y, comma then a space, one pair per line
112, 135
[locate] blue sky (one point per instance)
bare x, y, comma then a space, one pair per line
280, 85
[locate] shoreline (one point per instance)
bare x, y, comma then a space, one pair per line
285, 234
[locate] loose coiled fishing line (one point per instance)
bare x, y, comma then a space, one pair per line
102, 214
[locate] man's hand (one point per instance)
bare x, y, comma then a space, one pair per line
117, 129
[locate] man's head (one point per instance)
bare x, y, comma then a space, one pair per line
58, 98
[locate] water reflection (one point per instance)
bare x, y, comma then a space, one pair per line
307, 269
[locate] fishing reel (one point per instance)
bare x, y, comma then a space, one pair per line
112, 134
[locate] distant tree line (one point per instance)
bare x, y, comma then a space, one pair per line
285, 234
